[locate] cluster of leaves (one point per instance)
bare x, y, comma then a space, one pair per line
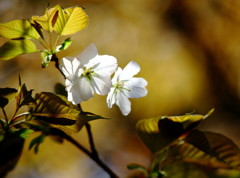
45, 30
47, 113
181, 150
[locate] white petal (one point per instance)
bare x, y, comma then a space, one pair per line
101, 85
106, 65
136, 87
131, 69
73, 94
75, 65
65, 66
79, 91
69, 66
87, 54
85, 89
123, 103
111, 98
116, 75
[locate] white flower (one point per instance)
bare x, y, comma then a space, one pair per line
126, 86
87, 74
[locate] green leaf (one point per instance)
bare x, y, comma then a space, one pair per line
25, 133
15, 48
18, 29
141, 169
60, 113
70, 20
36, 142
133, 166
6, 95
47, 57
48, 20
67, 42
52, 109
156, 133
217, 146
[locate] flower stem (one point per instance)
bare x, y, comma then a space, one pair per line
90, 138
82, 148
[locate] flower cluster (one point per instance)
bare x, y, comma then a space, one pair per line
90, 73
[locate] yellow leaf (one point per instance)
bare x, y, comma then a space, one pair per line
70, 20
14, 48
18, 29
159, 132
47, 21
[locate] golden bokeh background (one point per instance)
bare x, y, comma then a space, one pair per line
189, 52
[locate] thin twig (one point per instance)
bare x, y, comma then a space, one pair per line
62, 134
90, 138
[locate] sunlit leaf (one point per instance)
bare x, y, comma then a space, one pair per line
18, 29
48, 20
189, 121
6, 95
70, 20
51, 105
52, 109
14, 48
66, 43
156, 133
216, 145
154, 138
58, 112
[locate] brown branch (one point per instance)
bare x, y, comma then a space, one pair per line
93, 156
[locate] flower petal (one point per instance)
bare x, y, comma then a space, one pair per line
136, 87
123, 102
106, 65
111, 98
116, 75
73, 94
101, 85
131, 69
87, 54
65, 66
85, 90
69, 66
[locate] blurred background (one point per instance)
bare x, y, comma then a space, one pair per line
189, 52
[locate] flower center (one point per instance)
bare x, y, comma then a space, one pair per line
88, 73
120, 86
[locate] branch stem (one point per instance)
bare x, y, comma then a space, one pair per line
82, 148
90, 138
